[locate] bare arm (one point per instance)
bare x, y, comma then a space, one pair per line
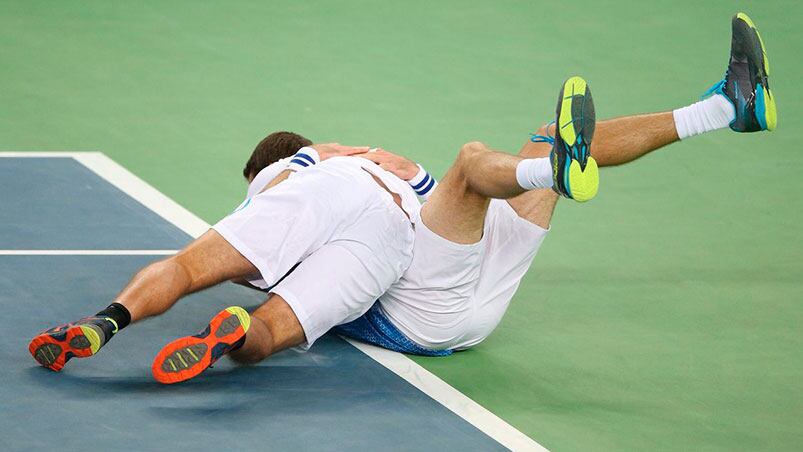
405, 169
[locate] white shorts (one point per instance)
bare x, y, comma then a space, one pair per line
352, 240
453, 296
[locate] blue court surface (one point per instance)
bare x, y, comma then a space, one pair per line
69, 240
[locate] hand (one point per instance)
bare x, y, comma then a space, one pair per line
329, 150
401, 167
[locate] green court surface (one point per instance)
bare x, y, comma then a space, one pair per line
664, 315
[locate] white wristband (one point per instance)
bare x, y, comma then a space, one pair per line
304, 158
423, 184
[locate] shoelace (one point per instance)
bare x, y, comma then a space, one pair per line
536, 138
716, 88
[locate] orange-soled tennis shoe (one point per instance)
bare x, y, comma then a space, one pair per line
54, 347
187, 357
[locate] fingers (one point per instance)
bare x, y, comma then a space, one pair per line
351, 150
375, 157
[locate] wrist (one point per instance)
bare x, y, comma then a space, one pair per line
422, 183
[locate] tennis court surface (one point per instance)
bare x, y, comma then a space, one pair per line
75, 228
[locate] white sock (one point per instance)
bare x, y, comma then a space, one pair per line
713, 113
534, 173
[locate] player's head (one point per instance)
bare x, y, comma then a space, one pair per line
271, 149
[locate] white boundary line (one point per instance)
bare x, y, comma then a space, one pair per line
398, 363
86, 252
40, 154
457, 402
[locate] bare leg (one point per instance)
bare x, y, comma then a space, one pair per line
536, 206
616, 141
274, 327
207, 261
456, 210
622, 140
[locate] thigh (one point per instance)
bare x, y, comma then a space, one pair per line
334, 285
511, 245
454, 211
536, 206
431, 303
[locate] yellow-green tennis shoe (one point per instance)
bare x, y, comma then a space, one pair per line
746, 82
574, 172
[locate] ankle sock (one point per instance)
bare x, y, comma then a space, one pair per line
715, 112
116, 317
534, 173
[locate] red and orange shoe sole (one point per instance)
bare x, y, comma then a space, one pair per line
53, 348
189, 356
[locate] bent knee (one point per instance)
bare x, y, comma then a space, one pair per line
469, 151
472, 148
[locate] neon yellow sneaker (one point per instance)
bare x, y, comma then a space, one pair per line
746, 82
574, 172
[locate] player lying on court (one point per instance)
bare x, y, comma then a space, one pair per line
355, 242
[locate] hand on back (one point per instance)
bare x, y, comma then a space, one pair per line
329, 150
399, 166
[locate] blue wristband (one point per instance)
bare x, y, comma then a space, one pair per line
423, 183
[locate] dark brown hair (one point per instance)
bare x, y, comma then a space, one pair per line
273, 148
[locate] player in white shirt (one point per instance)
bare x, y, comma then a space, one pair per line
347, 221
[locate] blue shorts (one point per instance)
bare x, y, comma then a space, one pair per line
374, 328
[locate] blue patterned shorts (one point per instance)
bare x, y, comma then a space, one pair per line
374, 328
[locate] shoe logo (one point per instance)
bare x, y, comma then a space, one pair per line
113, 323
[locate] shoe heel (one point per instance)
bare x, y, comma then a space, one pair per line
242, 315
770, 113
766, 115
584, 183
92, 336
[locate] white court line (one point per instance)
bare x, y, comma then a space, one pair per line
40, 154
397, 363
87, 252
457, 402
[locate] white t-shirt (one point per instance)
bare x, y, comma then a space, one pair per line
409, 199
266, 175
